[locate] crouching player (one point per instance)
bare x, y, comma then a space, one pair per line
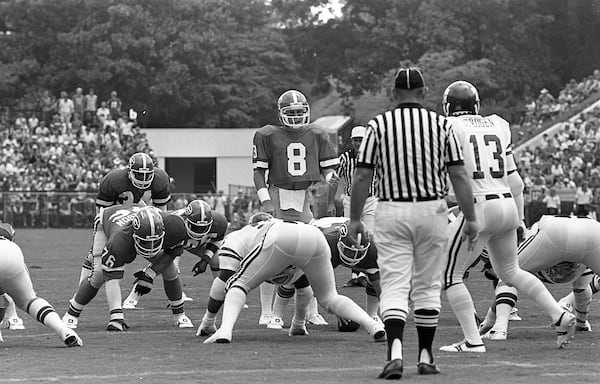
121, 234
558, 250
275, 248
16, 282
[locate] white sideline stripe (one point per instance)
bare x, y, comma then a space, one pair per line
220, 372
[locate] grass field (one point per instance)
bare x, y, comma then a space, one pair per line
155, 351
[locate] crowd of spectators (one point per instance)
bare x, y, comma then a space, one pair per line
55, 162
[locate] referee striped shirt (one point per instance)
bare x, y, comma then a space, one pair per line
347, 168
409, 148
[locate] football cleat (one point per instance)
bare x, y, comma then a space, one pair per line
70, 321
485, 326
565, 305
207, 327
186, 297
117, 325
317, 319
514, 316
15, 323
393, 370
182, 321
463, 346
495, 335
265, 319
276, 322
427, 369
298, 328
131, 301
583, 326
71, 339
565, 328
219, 338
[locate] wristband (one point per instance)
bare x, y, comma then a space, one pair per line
263, 195
150, 272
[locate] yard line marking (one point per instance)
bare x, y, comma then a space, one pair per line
220, 372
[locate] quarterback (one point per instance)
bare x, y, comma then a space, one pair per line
15, 281
497, 189
559, 250
121, 234
278, 249
296, 155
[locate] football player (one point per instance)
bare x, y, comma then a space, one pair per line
362, 259
15, 281
121, 234
277, 249
140, 183
559, 250
297, 154
497, 189
196, 229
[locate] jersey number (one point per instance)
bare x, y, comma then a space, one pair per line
296, 153
497, 153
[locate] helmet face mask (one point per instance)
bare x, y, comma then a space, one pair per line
293, 109
461, 98
148, 232
198, 219
141, 170
350, 254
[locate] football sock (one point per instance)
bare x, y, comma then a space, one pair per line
372, 301
267, 291
426, 321
506, 299
595, 284
313, 308
11, 308
113, 293
116, 314
173, 289
583, 301
234, 302
462, 304
217, 290
43, 312
83, 296
394, 328
282, 298
303, 298
534, 288
86, 268
490, 317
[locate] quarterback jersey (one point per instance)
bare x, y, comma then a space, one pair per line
294, 157
488, 158
116, 188
330, 226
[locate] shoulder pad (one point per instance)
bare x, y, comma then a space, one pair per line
267, 129
219, 225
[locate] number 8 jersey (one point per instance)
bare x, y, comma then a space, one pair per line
294, 157
486, 144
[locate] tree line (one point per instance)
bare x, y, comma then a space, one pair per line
223, 63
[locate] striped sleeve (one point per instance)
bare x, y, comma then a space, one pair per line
328, 158
368, 152
453, 152
260, 157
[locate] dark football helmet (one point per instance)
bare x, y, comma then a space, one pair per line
7, 231
198, 219
141, 170
350, 254
259, 216
293, 109
461, 97
148, 232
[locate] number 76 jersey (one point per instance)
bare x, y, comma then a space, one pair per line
486, 145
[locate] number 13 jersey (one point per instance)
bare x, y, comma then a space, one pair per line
294, 157
486, 144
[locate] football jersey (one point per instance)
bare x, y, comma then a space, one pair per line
488, 158
177, 239
293, 157
119, 250
116, 188
330, 226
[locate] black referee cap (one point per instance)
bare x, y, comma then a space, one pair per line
409, 78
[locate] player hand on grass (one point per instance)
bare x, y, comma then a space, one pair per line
471, 233
200, 267
143, 283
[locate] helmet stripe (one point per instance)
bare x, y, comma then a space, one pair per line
407, 78
152, 227
202, 212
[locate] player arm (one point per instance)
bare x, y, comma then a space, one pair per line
516, 188
360, 191
112, 268
461, 183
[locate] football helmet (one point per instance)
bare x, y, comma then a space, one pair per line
461, 97
7, 231
198, 219
259, 216
293, 109
350, 254
140, 170
148, 232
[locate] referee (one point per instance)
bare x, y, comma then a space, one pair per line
412, 150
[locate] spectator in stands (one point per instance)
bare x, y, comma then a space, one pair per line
222, 204
552, 201
91, 105
114, 105
48, 103
65, 107
240, 206
103, 113
583, 198
79, 102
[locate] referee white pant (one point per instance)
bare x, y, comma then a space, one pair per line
411, 239
368, 214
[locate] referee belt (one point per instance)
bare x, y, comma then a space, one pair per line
492, 196
413, 199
